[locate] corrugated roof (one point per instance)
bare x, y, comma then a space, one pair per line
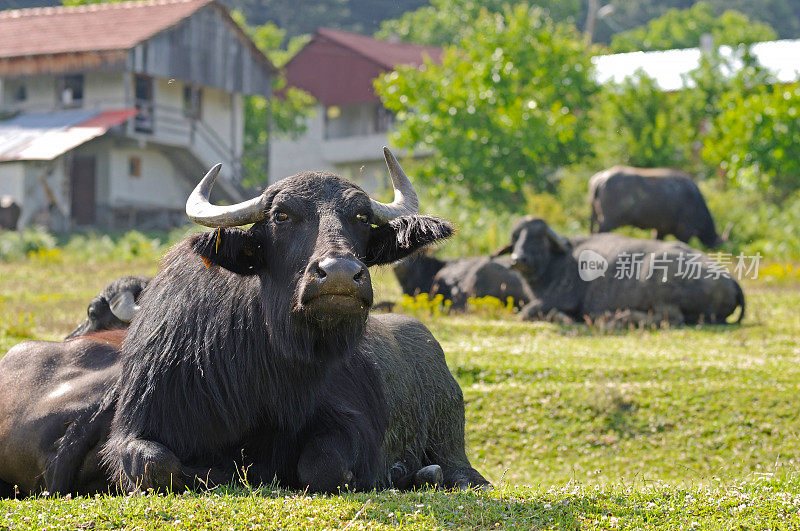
386, 53
667, 67
45, 136
95, 27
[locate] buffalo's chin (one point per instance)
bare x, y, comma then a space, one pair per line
336, 304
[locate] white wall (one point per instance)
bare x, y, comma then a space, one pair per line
158, 185
12, 180
40, 91
289, 156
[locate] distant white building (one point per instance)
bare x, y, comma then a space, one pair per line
111, 113
350, 125
668, 67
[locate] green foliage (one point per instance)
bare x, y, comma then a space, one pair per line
15, 245
284, 114
445, 22
682, 28
756, 140
491, 113
637, 123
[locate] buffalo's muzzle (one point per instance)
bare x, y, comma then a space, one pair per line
338, 283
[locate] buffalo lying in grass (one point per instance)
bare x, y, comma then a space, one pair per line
460, 280
590, 277
255, 347
665, 200
114, 307
52, 415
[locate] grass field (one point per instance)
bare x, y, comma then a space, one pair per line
669, 429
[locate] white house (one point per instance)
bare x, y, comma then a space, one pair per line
111, 113
349, 125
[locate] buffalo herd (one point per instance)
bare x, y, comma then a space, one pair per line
253, 354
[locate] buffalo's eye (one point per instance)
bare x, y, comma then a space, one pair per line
363, 218
280, 217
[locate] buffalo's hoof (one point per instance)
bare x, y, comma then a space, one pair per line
429, 476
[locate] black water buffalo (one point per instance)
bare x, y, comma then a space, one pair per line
113, 307
462, 279
9, 213
663, 199
591, 276
52, 415
416, 272
255, 347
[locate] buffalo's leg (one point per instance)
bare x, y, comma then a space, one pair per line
7, 490
325, 466
464, 478
80, 438
142, 464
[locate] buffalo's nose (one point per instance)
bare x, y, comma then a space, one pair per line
337, 273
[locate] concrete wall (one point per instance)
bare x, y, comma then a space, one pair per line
101, 90
288, 156
158, 185
12, 180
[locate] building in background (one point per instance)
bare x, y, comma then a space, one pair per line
350, 125
111, 113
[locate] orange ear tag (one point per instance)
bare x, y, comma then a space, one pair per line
206, 261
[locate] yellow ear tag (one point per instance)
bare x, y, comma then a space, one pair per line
219, 239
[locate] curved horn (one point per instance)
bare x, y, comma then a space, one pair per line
405, 198
201, 211
123, 306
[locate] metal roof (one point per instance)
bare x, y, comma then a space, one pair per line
667, 67
45, 136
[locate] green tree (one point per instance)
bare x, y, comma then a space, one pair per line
682, 28
755, 141
506, 107
637, 123
443, 22
284, 114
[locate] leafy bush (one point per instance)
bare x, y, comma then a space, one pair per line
15, 245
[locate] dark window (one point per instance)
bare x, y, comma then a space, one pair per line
134, 166
22, 93
384, 119
192, 101
143, 92
70, 90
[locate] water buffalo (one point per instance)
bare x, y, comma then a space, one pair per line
462, 279
415, 273
9, 213
256, 347
113, 307
591, 276
651, 198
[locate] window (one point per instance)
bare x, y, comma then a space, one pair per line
192, 101
143, 92
70, 90
22, 93
134, 167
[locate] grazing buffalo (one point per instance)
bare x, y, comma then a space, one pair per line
591, 276
9, 213
113, 307
254, 350
460, 280
651, 198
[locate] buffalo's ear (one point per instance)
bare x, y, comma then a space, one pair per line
234, 249
402, 236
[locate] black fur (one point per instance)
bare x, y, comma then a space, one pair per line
240, 358
99, 315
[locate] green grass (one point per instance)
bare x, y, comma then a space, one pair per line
668, 429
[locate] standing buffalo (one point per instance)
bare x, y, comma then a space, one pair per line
52, 415
460, 280
591, 276
113, 307
9, 212
651, 198
256, 347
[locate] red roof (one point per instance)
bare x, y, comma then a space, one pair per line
338, 68
386, 53
94, 27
